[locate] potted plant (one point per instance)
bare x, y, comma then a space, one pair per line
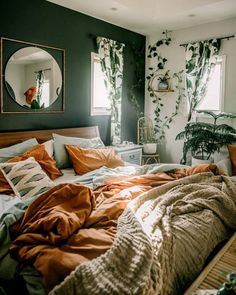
229, 287
204, 139
146, 135
163, 82
150, 145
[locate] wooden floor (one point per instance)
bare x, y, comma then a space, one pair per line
211, 277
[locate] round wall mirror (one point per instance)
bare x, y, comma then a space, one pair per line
33, 78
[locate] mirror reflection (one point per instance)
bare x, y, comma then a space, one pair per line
33, 78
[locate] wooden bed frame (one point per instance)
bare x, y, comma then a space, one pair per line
13, 137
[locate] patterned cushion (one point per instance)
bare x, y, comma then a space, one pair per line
26, 178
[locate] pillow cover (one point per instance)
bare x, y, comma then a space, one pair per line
60, 141
85, 160
225, 166
49, 147
208, 167
16, 149
41, 156
232, 155
26, 178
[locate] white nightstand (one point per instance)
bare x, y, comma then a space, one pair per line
130, 153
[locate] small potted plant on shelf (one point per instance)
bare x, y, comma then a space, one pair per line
163, 84
203, 139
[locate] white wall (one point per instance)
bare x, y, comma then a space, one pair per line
15, 76
171, 150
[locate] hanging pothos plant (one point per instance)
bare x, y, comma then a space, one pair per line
158, 72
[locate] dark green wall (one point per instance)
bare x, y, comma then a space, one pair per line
42, 22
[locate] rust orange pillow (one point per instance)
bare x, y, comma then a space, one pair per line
41, 156
5, 187
232, 155
208, 167
88, 159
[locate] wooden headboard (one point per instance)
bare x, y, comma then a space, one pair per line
9, 138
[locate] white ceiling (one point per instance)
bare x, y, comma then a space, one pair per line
148, 16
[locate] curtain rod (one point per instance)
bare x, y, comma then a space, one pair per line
221, 38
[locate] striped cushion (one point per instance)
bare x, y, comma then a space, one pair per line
26, 178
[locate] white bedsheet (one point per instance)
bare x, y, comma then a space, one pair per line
95, 178
6, 201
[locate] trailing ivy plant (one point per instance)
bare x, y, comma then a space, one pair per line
158, 72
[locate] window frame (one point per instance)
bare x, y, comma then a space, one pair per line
96, 111
222, 88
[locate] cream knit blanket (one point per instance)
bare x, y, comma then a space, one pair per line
163, 239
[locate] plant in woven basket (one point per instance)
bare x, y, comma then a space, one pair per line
203, 139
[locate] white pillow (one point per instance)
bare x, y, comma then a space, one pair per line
225, 166
60, 152
26, 178
16, 149
49, 147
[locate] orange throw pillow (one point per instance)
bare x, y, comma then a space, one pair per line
5, 187
208, 167
232, 155
41, 156
88, 159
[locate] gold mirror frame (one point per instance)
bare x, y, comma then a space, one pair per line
7, 104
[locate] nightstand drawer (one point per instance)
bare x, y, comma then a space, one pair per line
133, 156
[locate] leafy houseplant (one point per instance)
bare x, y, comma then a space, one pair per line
203, 139
150, 145
146, 135
163, 82
158, 74
229, 287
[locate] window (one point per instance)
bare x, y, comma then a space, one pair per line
46, 93
214, 98
100, 103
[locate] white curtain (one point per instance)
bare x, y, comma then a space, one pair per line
111, 59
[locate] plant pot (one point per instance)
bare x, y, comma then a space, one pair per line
198, 161
163, 85
149, 148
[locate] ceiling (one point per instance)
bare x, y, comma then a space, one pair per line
148, 16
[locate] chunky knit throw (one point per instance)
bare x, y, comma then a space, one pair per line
163, 239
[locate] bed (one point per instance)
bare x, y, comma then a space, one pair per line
111, 230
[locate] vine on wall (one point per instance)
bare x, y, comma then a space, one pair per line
158, 72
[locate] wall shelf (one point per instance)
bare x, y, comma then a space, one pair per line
168, 90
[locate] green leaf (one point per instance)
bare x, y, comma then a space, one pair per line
35, 105
189, 84
190, 67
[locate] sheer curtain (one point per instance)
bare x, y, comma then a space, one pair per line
111, 59
200, 63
